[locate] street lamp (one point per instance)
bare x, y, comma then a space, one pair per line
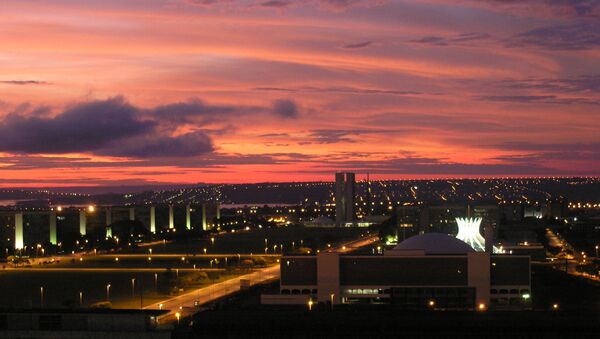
212, 240
155, 282
107, 292
204, 250
177, 315
310, 304
42, 296
596, 251
132, 287
80, 299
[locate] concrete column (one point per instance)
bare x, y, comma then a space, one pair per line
153, 219
171, 217
488, 232
82, 222
19, 231
53, 236
108, 217
108, 223
188, 217
131, 213
479, 277
204, 225
328, 277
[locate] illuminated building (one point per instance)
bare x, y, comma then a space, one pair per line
431, 266
468, 231
345, 191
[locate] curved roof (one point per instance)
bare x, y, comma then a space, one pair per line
435, 243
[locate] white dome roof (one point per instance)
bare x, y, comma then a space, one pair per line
435, 243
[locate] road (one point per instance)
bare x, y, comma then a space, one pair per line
113, 269
184, 304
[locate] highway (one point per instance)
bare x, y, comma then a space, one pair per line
184, 304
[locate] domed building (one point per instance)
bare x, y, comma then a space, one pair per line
433, 244
431, 270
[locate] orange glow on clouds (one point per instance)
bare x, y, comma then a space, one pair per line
418, 89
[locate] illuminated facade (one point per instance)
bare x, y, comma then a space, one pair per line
468, 231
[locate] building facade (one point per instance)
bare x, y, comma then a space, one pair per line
429, 270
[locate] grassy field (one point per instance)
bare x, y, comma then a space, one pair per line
157, 261
21, 288
246, 242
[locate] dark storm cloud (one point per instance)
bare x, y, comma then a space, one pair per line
578, 36
549, 147
411, 122
84, 127
544, 99
535, 152
150, 146
585, 84
564, 9
194, 110
342, 89
358, 45
285, 108
331, 136
460, 39
114, 127
277, 4
436, 166
24, 82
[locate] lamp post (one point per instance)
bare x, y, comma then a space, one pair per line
155, 282
108, 292
80, 299
596, 251
42, 296
132, 287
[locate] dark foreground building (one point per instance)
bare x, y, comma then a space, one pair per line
81, 324
426, 271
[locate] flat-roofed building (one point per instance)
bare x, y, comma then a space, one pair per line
424, 271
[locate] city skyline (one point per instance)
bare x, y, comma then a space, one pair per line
187, 91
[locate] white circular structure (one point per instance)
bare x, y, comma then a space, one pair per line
435, 243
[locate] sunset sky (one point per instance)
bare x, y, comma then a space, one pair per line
102, 92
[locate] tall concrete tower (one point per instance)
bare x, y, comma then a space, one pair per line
349, 195
345, 187
340, 204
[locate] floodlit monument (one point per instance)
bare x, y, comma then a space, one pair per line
468, 231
